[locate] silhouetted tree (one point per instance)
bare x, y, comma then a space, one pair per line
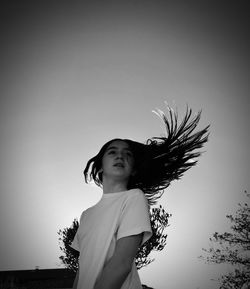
70, 257
233, 248
159, 221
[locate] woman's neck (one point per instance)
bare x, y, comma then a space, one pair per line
110, 187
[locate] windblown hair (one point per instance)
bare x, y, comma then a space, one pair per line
161, 159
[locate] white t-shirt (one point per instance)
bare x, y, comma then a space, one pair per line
115, 216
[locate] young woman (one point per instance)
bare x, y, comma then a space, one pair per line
133, 176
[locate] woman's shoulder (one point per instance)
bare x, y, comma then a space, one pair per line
135, 197
136, 193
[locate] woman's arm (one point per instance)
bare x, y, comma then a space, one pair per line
76, 280
117, 269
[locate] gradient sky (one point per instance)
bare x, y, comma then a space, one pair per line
76, 74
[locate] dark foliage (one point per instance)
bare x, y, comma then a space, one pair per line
70, 257
159, 221
233, 248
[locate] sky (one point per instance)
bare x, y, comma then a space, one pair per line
76, 74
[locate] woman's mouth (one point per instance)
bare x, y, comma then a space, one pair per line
120, 165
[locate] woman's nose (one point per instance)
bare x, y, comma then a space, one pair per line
119, 155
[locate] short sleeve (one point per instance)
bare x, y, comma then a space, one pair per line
134, 217
75, 243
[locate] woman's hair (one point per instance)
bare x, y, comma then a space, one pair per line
161, 159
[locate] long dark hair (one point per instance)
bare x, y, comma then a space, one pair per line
161, 159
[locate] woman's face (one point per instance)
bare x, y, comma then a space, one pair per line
118, 161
